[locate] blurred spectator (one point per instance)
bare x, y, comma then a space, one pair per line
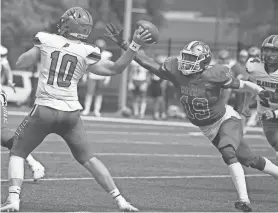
96, 84
224, 58
239, 72
254, 52
156, 93
138, 84
6, 72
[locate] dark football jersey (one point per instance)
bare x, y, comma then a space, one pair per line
200, 92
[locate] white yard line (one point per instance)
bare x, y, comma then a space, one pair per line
135, 121
144, 177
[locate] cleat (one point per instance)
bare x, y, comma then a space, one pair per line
243, 206
125, 206
38, 171
10, 205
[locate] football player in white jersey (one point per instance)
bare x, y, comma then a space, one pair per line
7, 135
65, 59
264, 71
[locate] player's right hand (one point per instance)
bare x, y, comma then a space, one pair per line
141, 36
246, 112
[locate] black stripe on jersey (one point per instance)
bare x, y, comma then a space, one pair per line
94, 56
37, 41
271, 39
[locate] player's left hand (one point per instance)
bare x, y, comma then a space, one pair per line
112, 33
141, 36
246, 112
12, 85
268, 115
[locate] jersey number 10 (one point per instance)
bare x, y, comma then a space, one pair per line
61, 81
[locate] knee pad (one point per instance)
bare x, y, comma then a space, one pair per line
228, 154
255, 162
7, 138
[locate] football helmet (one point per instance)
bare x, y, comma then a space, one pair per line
224, 54
195, 57
269, 50
254, 52
76, 22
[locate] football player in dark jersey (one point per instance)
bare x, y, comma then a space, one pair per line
199, 86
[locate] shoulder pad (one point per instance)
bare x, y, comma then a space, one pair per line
219, 73
40, 38
168, 64
252, 64
93, 52
45, 38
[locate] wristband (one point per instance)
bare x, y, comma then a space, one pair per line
134, 46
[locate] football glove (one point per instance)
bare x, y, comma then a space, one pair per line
268, 115
3, 98
112, 33
264, 96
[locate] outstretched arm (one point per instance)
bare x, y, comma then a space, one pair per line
141, 58
109, 68
248, 86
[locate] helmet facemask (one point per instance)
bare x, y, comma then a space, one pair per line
193, 58
269, 55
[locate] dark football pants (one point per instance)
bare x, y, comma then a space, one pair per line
43, 121
229, 141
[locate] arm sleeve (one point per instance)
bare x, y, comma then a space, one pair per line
93, 55
224, 77
166, 70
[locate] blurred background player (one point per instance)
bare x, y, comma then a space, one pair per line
224, 58
253, 120
138, 85
96, 84
264, 71
57, 108
156, 91
200, 86
6, 72
239, 71
7, 136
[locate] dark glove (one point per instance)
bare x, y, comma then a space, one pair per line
3, 98
268, 115
264, 97
115, 35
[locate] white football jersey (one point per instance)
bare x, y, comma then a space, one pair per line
63, 63
257, 72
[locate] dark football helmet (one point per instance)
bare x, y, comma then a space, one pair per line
195, 57
269, 50
76, 22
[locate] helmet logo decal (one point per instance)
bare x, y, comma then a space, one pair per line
270, 41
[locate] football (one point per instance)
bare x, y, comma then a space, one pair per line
151, 28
